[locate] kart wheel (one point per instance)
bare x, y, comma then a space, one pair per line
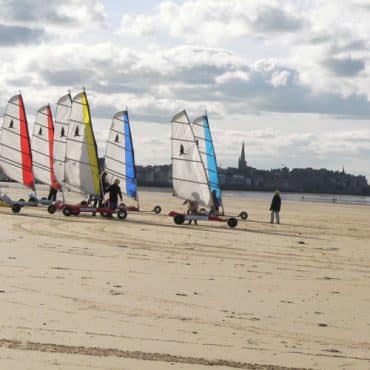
157, 210
179, 219
16, 208
243, 215
21, 200
122, 205
122, 214
52, 209
232, 222
202, 211
67, 211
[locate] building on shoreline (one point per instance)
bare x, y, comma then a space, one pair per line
244, 177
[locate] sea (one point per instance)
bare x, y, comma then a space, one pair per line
257, 195
303, 197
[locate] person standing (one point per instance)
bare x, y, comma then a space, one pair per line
114, 192
275, 207
193, 207
52, 194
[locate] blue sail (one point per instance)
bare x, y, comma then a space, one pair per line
213, 179
131, 188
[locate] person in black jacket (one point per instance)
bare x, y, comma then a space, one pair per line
114, 192
275, 207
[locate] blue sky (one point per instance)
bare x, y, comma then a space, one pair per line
291, 79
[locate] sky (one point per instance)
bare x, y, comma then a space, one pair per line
289, 78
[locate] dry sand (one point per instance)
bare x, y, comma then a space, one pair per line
91, 293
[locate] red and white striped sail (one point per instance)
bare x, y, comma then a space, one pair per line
15, 148
43, 148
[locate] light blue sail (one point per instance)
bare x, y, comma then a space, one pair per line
131, 187
204, 141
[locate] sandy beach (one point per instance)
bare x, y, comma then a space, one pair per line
92, 293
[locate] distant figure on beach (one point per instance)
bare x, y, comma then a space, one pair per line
193, 207
52, 194
275, 207
114, 192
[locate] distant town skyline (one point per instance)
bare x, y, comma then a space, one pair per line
291, 79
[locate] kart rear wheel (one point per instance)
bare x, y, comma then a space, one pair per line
52, 209
16, 208
67, 211
243, 215
122, 213
232, 222
179, 219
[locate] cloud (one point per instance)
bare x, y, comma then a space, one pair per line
14, 35
346, 67
49, 14
270, 19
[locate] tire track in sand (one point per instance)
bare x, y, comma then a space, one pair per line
136, 355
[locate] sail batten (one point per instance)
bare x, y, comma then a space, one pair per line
189, 178
119, 155
81, 158
15, 148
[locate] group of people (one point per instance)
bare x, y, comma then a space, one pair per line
193, 207
114, 191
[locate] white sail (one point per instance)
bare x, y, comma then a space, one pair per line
189, 178
81, 162
63, 112
15, 148
119, 155
42, 144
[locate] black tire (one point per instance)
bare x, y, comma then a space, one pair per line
243, 215
83, 203
21, 200
179, 219
16, 208
67, 211
52, 209
122, 213
157, 210
232, 222
122, 205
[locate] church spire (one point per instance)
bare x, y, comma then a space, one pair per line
242, 162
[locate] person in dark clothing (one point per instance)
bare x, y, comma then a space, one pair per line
216, 203
52, 194
104, 182
114, 192
275, 207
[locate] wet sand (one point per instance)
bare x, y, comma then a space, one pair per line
92, 293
